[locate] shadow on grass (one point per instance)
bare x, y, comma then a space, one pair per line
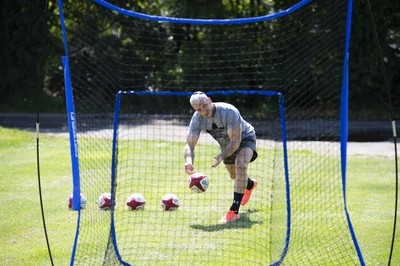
243, 222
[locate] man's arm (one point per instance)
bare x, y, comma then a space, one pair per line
235, 135
188, 153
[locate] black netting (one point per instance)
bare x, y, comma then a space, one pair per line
299, 55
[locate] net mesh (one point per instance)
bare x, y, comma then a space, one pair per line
299, 55
149, 161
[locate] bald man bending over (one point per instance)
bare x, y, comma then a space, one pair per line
237, 142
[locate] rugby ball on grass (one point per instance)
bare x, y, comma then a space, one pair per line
136, 201
104, 201
83, 201
170, 202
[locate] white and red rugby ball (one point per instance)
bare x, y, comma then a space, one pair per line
104, 201
136, 201
83, 201
198, 182
170, 202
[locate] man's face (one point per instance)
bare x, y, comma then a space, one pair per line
204, 108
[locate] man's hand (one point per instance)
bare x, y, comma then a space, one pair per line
217, 161
189, 169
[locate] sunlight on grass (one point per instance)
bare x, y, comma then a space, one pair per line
151, 234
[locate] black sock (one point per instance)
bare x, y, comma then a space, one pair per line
237, 199
250, 184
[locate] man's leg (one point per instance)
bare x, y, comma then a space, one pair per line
246, 185
241, 165
231, 168
238, 171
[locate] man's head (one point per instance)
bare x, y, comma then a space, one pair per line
202, 104
198, 97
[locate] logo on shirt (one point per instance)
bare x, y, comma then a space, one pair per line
218, 133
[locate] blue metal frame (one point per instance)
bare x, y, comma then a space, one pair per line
343, 111
203, 21
344, 117
76, 191
287, 181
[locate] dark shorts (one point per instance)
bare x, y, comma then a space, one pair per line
249, 142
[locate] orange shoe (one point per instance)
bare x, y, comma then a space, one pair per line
230, 216
247, 194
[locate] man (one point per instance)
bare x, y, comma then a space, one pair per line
237, 141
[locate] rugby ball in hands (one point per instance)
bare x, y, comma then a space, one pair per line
198, 182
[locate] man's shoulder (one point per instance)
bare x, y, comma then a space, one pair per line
226, 106
196, 119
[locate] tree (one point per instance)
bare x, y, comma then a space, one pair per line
31, 47
23, 52
368, 92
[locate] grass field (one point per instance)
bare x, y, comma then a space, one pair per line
370, 200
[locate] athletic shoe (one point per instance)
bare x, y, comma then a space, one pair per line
247, 194
230, 216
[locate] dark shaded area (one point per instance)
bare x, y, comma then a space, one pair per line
31, 47
359, 131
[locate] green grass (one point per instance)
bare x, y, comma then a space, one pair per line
370, 203
159, 236
21, 229
371, 199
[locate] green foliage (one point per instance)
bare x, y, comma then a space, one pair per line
31, 47
24, 51
370, 92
